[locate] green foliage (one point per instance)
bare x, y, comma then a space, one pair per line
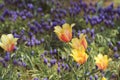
35, 66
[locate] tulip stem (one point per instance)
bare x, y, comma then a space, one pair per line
70, 64
73, 71
93, 72
85, 71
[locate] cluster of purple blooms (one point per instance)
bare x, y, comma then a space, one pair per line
61, 62
4, 60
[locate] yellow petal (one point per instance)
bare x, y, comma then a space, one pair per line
82, 35
75, 43
103, 78
4, 39
3, 46
66, 26
10, 36
15, 41
79, 56
58, 30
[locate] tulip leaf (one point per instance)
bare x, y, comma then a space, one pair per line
108, 74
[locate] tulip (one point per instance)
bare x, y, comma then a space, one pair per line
79, 55
78, 42
102, 61
64, 33
8, 42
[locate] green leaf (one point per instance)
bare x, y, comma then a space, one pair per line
108, 75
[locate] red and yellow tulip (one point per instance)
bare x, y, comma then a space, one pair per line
78, 42
8, 42
102, 61
79, 55
64, 33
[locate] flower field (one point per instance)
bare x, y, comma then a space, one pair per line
59, 40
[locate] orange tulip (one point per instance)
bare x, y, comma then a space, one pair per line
102, 61
79, 55
64, 33
8, 42
78, 42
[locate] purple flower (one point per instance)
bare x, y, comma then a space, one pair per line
91, 78
63, 65
36, 79
116, 55
6, 13
93, 36
114, 75
87, 30
42, 40
118, 43
30, 34
32, 43
28, 43
1, 6
110, 44
51, 51
45, 61
66, 67
48, 27
58, 69
1, 60
115, 49
22, 13
24, 64
83, 31
79, 32
15, 62
45, 79
53, 61
2, 19
30, 6
92, 31
55, 51
7, 56
45, 53
16, 35
96, 77
29, 14
54, 23
39, 9
37, 42
23, 17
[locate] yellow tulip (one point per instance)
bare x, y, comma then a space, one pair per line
78, 42
103, 78
79, 55
102, 61
64, 33
8, 42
